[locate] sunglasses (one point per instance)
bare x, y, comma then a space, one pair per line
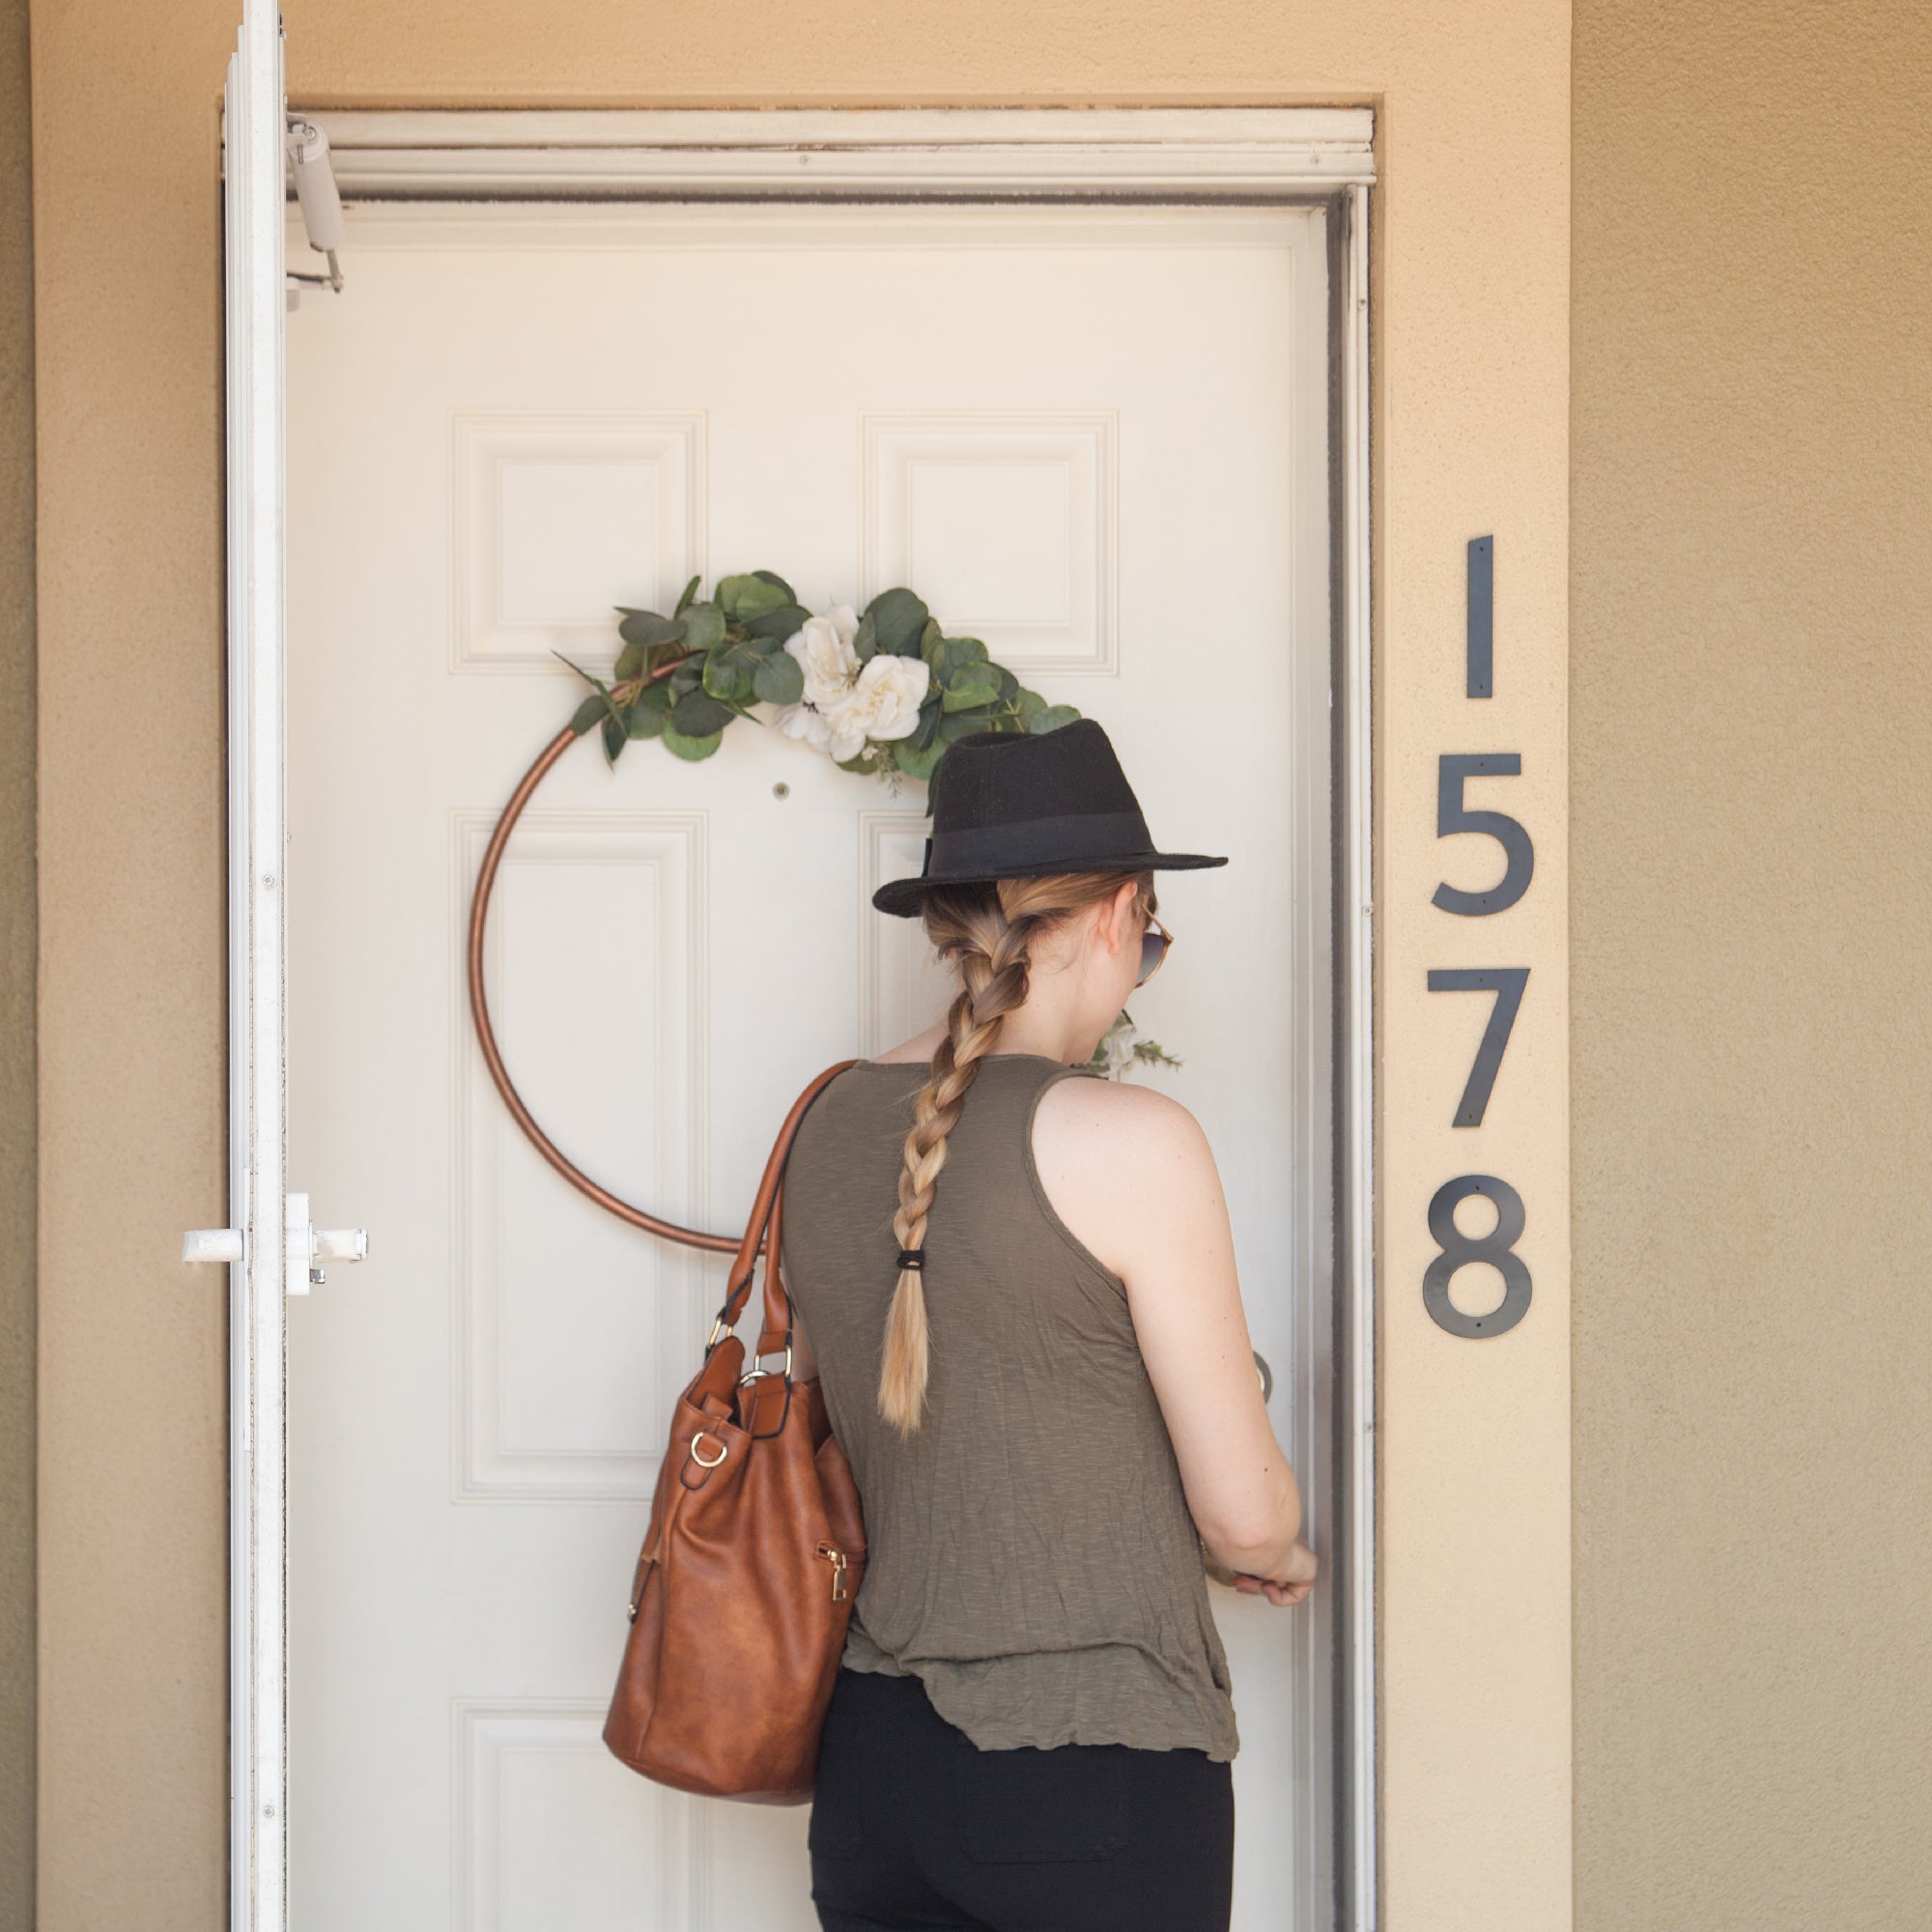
1154, 942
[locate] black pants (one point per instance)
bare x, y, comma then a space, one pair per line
913, 1825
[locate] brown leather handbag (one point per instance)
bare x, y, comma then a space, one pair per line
754, 1554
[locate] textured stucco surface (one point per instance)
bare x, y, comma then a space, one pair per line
1471, 427
1752, 620
17, 976
133, 1545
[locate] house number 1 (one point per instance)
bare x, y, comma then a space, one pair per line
1453, 770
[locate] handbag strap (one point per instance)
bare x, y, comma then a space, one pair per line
762, 1229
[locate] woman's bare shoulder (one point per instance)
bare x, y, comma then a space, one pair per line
1116, 1128
1120, 1165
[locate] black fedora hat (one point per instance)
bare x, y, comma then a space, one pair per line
1012, 805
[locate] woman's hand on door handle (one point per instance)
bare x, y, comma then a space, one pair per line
1291, 1587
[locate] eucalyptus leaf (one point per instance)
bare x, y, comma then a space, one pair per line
722, 676
953, 655
918, 762
959, 725
866, 639
693, 749
930, 638
772, 578
646, 627
684, 601
630, 662
604, 702
746, 597
786, 621
898, 618
1029, 703
1051, 719
586, 714
658, 696
648, 720
971, 696
927, 728
731, 668
700, 715
614, 735
703, 626
587, 676
779, 680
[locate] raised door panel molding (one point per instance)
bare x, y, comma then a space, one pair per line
1005, 522
559, 517
540, 1802
570, 1328
903, 987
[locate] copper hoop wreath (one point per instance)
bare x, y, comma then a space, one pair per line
486, 1037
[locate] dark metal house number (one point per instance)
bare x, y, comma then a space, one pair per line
1507, 982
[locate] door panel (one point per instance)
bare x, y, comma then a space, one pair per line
1097, 438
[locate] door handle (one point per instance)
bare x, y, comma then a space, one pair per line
307, 1245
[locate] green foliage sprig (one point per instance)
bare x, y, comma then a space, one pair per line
1122, 1050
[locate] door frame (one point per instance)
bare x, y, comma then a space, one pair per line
255, 1245
1254, 156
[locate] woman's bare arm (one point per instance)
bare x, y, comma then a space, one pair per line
1132, 1176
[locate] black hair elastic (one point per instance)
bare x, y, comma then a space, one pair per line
912, 1257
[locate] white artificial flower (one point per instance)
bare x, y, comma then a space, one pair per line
801, 721
823, 648
882, 705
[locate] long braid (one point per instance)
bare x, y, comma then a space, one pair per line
988, 931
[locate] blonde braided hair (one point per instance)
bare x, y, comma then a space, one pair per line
988, 931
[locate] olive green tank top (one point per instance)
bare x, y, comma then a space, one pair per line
1030, 1555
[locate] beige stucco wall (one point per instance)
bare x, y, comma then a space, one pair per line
1471, 427
132, 1378
1751, 579
1751, 701
17, 976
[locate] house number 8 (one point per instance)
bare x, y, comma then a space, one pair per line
1496, 1247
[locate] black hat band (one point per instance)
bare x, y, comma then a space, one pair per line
1074, 836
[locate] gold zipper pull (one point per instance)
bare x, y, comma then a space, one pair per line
837, 1558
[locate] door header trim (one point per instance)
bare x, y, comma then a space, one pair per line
1243, 154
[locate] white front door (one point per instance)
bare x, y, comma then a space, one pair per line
1096, 437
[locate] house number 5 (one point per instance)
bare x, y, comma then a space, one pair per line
1498, 1248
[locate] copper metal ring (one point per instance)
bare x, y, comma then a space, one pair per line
479, 1008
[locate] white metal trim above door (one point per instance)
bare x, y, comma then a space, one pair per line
1234, 154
